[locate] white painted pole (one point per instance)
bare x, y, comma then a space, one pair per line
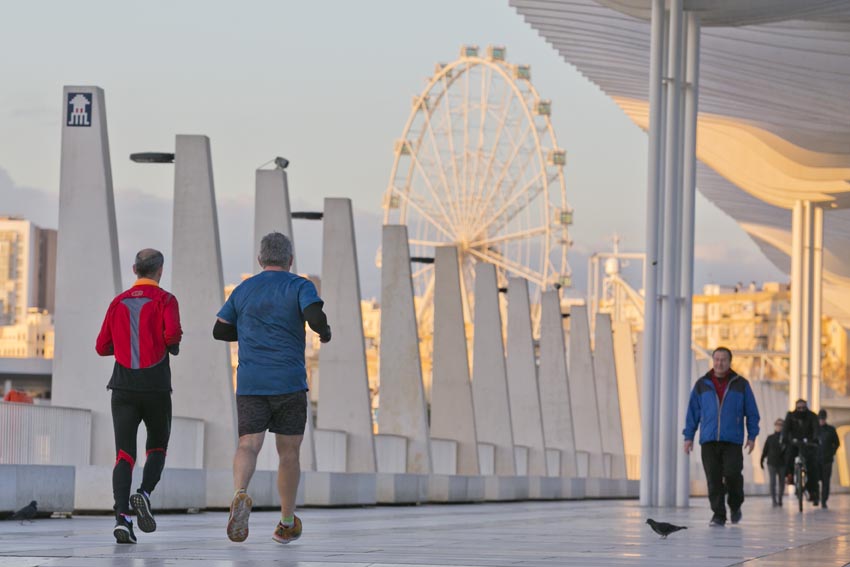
817, 306
686, 378
648, 371
796, 303
667, 397
806, 355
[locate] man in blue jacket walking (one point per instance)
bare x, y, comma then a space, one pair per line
719, 402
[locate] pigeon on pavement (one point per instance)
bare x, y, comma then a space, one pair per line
663, 528
27, 513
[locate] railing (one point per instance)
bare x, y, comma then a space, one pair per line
44, 435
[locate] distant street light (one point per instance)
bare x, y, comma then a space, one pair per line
307, 215
152, 157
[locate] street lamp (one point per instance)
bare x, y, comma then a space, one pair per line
152, 157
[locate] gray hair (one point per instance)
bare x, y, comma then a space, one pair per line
275, 250
148, 262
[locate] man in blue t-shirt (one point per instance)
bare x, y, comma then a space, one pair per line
266, 315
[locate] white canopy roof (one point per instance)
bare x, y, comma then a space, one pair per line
774, 123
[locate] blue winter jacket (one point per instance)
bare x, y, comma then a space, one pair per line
705, 407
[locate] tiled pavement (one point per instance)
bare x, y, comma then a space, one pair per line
527, 534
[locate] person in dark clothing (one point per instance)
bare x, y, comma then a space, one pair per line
774, 453
141, 330
828, 445
802, 425
720, 402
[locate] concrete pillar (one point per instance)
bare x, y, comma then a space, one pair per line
555, 404
402, 410
586, 419
668, 439
273, 214
607, 395
627, 387
201, 375
807, 303
489, 373
796, 346
87, 246
344, 385
452, 414
523, 391
817, 307
655, 182
688, 216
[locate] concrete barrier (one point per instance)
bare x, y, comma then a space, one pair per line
51, 486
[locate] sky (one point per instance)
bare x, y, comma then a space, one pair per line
328, 85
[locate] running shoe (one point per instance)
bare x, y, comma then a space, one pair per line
240, 510
123, 530
141, 504
284, 534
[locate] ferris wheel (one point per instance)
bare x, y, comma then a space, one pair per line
478, 166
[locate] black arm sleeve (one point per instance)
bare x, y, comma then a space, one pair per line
317, 319
224, 332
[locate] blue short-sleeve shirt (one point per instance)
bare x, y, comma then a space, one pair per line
267, 310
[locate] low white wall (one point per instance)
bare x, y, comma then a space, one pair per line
44, 435
444, 456
391, 453
331, 450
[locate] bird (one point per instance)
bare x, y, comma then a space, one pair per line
27, 513
663, 528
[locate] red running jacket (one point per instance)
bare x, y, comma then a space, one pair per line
140, 324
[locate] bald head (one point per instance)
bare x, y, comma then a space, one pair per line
148, 264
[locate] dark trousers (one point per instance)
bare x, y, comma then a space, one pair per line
825, 477
777, 479
724, 465
129, 409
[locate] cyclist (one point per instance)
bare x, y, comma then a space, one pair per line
802, 424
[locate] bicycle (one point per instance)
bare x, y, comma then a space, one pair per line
801, 472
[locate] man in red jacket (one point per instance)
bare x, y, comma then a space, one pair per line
141, 329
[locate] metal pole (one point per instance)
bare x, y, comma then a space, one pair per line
667, 398
653, 191
817, 306
683, 480
796, 304
806, 355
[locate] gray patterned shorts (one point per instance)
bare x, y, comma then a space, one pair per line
285, 414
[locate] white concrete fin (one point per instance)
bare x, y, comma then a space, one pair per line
627, 386
523, 391
489, 373
607, 393
402, 411
198, 283
344, 402
554, 386
272, 212
452, 415
87, 244
586, 419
